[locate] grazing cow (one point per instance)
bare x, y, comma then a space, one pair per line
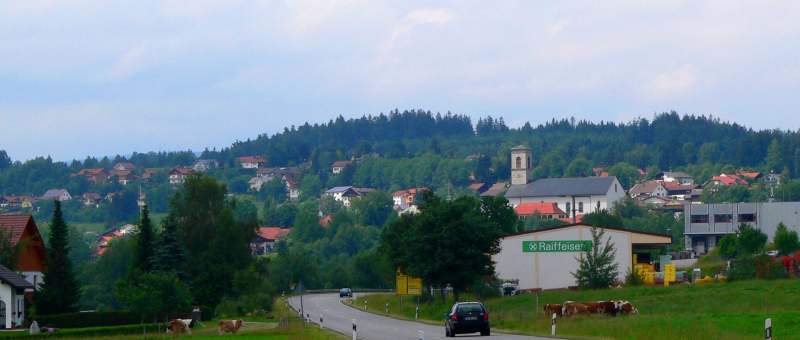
229, 326
179, 326
550, 309
608, 307
574, 308
625, 307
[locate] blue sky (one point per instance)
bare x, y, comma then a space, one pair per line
82, 78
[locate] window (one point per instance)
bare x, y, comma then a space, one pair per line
529, 162
598, 206
723, 218
747, 217
580, 206
569, 209
615, 187
519, 162
699, 219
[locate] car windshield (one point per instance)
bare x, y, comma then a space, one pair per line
470, 308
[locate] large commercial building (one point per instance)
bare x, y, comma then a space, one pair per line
705, 224
546, 258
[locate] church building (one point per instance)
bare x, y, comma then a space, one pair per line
576, 195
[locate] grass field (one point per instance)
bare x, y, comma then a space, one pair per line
252, 329
717, 311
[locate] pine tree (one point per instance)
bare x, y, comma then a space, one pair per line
59, 293
170, 256
597, 268
774, 159
145, 242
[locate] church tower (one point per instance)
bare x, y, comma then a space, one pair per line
521, 169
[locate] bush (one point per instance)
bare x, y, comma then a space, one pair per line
769, 268
251, 304
92, 319
742, 268
632, 278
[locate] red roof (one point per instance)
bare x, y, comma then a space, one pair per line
749, 174
182, 171
412, 191
273, 233
15, 224
540, 208
325, 221
341, 164
91, 172
251, 159
727, 179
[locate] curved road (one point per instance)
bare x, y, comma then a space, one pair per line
338, 317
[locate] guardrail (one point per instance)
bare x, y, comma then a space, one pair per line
355, 290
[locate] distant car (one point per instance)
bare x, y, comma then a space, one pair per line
345, 292
467, 317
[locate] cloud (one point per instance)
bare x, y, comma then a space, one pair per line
677, 82
418, 17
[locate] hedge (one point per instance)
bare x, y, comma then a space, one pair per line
88, 319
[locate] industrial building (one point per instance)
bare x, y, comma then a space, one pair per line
546, 258
705, 224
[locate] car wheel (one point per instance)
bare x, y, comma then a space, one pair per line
485, 332
447, 333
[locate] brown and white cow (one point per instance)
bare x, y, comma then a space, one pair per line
550, 309
574, 308
625, 307
229, 326
179, 326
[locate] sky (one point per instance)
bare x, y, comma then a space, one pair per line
81, 78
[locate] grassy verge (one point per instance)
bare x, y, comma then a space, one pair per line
724, 311
271, 329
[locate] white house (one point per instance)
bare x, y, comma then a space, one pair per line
57, 194
203, 165
179, 174
12, 298
546, 258
346, 194
678, 176
251, 162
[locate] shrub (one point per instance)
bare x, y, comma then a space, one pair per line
742, 268
92, 319
632, 278
768, 268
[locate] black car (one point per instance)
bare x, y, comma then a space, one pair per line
467, 317
345, 292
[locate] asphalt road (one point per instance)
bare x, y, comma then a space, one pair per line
338, 317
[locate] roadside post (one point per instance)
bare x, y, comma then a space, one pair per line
320, 321
365, 304
355, 330
553, 325
416, 313
421, 335
386, 307
768, 329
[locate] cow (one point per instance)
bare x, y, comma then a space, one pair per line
625, 307
229, 326
550, 309
574, 308
608, 307
179, 326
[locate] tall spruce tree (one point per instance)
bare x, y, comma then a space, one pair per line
170, 255
145, 243
59, 293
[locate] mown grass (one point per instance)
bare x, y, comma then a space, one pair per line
734, 310
268, 329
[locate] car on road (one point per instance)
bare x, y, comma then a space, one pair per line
345, 292
467, 317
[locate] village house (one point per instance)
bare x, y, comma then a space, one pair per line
91, 199
149, 173
17, 202
292, 190
24, 233
346, 194
106, 238
406, 198
264, 241
94, 175
678, 176
576, 196
338, 166
651, 188
123, 172
727, 180
13, 288
178, 175
547, 210
57, 195
203, 165
251, 162
495, 190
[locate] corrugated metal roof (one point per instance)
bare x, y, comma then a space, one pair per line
574, 186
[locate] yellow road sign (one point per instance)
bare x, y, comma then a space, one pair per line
408, 285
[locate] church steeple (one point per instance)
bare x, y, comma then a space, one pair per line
521, 167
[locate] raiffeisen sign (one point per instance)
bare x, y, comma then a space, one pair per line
556, 246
